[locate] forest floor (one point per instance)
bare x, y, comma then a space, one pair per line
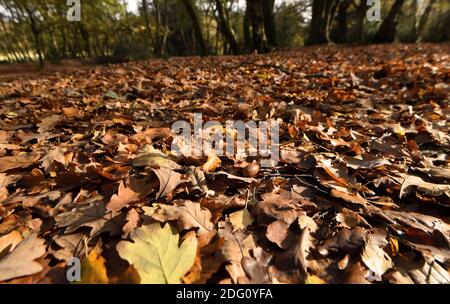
17, 71
361, 193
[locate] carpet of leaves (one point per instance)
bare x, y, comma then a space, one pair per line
361, 193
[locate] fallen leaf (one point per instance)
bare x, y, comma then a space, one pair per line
22, 160
48, 123
212, 163
424, 187
150, 157
124, 197
197, 179
241, 219
168, 181
278, 232
189, 215
305, 242
93, 270
20, 262
94, 215
10, 240
373, 256
156, 255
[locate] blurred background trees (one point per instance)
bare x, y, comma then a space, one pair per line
38, 30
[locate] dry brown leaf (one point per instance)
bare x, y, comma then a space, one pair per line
278, 232
10, 240
21, 160
168, 181
20, 262
48, 123
424, 187
189, 215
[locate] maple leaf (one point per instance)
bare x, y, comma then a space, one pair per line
156, 255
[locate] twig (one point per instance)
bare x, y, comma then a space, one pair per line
310, 185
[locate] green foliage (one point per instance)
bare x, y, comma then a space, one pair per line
36, 29
292, 23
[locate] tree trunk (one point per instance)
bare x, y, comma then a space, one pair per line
323, 11
386, 32
424, 18
269, 22
158, 43
361, 11
246, 30
196, 24
36, 31
330, 13
148, 27
254, 12
85, 36
226, 29
340, 33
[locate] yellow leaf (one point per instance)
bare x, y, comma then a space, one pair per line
93, 270
212, 163
241, 219
394, 246
156, 256
312, 279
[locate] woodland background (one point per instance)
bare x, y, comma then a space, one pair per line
109, 32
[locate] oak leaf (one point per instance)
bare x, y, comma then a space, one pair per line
20, 262
22, 160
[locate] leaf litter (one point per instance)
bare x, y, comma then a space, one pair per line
361, 193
